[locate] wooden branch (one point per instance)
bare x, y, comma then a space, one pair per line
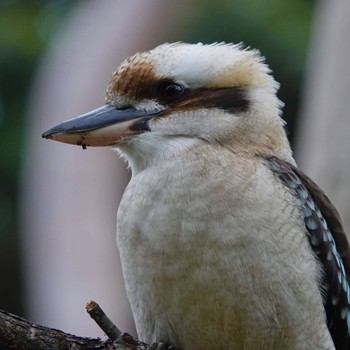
97, 314
20, 334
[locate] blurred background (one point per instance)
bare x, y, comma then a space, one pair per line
58, 203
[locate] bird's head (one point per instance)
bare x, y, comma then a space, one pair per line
167, 99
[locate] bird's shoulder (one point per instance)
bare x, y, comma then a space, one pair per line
329, 243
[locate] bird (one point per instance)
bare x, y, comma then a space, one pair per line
224, 242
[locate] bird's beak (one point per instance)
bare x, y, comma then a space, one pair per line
103, 126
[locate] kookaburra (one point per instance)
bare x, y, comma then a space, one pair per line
224, 242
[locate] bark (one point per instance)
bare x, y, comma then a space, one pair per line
20, 334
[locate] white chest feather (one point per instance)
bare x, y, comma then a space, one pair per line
214, 254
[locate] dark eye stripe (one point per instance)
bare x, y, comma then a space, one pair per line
233, 99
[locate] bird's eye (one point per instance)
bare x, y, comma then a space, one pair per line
171, 91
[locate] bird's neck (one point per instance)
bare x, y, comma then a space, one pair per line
147, 150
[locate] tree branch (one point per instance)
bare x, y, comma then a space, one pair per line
97, 314
20, 334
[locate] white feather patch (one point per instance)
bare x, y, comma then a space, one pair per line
147, 149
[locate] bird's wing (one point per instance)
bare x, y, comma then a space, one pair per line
329, 242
